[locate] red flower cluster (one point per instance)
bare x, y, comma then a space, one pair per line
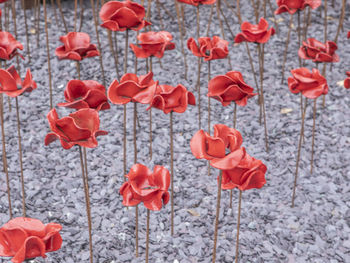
26, 238
123, 15
318, 51
198, 2
310, 84
291, 6
213, 148
248, 174
12, 85
230, 87
153, 44
347, 81
207, 48
76, 46
132, 88
146, 186
9, 46
79, 128
81, 94
255, 33
169, 98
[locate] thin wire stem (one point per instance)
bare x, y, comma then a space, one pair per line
261, 63
48, 54
26, 28
20, 158
4, 155
178, 13
75, 14
147, 235
150, 119
172, 171
313, 136
217, 217
98, 41
62, 16
209, 109
87, 198
299, 151
238, 225
286, 47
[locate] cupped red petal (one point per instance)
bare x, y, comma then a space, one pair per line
52, 238
230, 161
33, 247
161, 177
203, 146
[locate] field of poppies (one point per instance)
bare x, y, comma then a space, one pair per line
175, 131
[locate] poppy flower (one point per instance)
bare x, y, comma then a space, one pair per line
291, 6
349, 34
230, 87
81, 94
76, 46
213, 148
255, 33
132, 88
318, 51
207, 48
123, 15
310, 84
26, 238
153, 44
146, 186
347, 81
9, 46
248, 174
198, 2
79, 128
169, 98
12, 85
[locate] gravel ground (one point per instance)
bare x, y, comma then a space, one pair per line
316, 230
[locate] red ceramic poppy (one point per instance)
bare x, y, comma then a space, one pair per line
9, 46
79, 128
169, 98
153, 44
248, 174
26, 238
123, 15
207, 48
291, 6
349, 34
81, 94
230, 87
310, 84
255, 33
146, 186
198, 2
132, 88
318, 51
213, 148
347, 81
76, 46
12, 85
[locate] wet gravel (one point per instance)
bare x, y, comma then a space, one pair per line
316, 230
